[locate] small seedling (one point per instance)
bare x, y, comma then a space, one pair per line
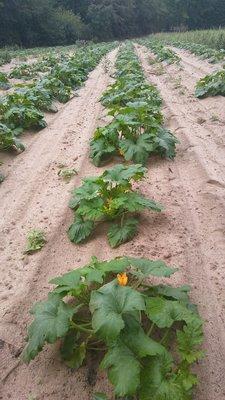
2, 178
159, 70
35, 241
215, 118
67, 174
177, 83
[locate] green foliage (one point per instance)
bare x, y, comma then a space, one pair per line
204, 52
211, 85
9, 140
5, 57
67, 174
24, 71
35, 241
127, 324
109, 305
109, 197
2, 177
52, 321
23, 108
4, 82
162, 53
24, 117
118, 234
208, 43
136, 130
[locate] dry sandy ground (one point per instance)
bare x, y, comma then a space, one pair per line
189, 234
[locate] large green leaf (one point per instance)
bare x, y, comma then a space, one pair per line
67, 282
91, 209
118, 234
116, 265
120, 174
156, 383
165, 143
145, 267
179, 293
80, 230
93, 272
123, 369
164, 312
88, 191
138, 149
52, 321
134, 201
101, 149
189, 341
134, 151
134, 337
108, 304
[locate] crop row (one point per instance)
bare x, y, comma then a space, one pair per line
136, 130
210, 85
162, 52
23, 108
147, 336
8, 54
135, 133
201, 50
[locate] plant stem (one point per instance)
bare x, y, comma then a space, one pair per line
122, 220
151, 329
165, 335
81, 328
97, 348
139, 282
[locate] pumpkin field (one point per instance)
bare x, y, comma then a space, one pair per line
112, 250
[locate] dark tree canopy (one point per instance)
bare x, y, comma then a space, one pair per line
51, 22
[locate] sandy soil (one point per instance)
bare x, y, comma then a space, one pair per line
197, 186
189, 234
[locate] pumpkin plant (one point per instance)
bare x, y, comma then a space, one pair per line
9, 139
145, 336
4, 82
136, 130
109, 197
211, 85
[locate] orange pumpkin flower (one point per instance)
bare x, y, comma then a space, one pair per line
122, 279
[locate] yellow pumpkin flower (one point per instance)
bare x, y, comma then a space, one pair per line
122, 279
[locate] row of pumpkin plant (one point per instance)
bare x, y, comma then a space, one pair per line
135, 132
210, 85
145, 335
22, 109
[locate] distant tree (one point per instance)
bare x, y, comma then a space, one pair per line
38, 22
48, 22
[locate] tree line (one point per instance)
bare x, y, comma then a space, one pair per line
57, 22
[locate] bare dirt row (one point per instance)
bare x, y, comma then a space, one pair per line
188, 234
